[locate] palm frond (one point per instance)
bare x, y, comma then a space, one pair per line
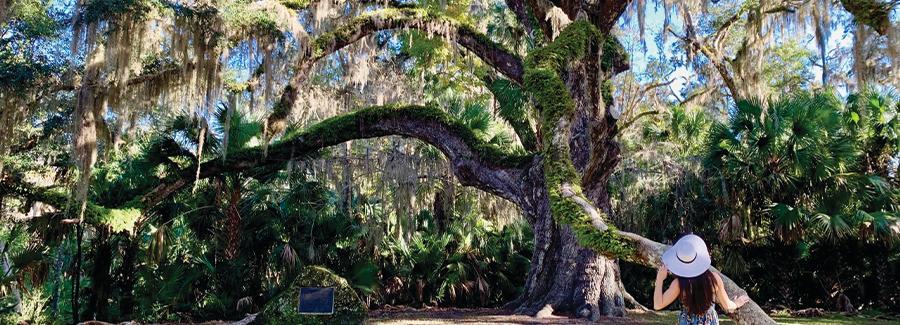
831, 227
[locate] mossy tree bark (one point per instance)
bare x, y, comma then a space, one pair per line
566, 276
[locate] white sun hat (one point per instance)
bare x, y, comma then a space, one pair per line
688, 257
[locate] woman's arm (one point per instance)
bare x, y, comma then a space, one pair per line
660, 299
722, 296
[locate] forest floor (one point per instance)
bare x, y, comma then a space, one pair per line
434, 316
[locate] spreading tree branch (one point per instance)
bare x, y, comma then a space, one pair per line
874, 13
489, 51
523, 15
715, 59
474, 162
625, 125
607, 13
710, 46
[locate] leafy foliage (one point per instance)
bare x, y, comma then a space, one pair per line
778, 190
803, 158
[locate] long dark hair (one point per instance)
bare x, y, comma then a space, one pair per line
697, 293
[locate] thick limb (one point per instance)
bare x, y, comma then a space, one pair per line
492, 53
473, 161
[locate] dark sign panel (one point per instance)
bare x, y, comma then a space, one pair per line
316, 301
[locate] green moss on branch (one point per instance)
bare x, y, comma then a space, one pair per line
118, 220
512, 109
353, 125
295, 4
543, 81
98, 10
400, 17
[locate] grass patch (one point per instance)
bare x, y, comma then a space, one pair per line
671, 317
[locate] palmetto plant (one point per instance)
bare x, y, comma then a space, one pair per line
472, 263
794, 169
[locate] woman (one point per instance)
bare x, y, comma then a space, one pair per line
696, 286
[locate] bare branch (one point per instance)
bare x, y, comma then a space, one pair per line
695, 95
627, 124
715, 58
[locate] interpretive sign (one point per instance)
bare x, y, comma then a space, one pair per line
316, 301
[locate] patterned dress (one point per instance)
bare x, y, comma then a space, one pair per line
708, 318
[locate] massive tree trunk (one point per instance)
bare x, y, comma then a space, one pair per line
566, 276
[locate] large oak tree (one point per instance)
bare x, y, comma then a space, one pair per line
560, 183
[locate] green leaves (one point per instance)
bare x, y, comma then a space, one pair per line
805, 158
32, 18
831, 226
97, 10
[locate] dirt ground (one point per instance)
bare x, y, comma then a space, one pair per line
432, 316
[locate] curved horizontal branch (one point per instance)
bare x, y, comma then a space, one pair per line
118, 220
489, 51
628, 123
474, 162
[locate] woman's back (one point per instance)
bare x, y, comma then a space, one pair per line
696, 286
696, 296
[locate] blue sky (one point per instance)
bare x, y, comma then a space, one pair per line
839, 38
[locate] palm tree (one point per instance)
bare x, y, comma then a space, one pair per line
795, 169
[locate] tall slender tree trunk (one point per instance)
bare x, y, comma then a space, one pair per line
76, 273
100, 277
127, 276
346, 184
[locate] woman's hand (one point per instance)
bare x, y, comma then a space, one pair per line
660, 299
740, 301
662, 273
